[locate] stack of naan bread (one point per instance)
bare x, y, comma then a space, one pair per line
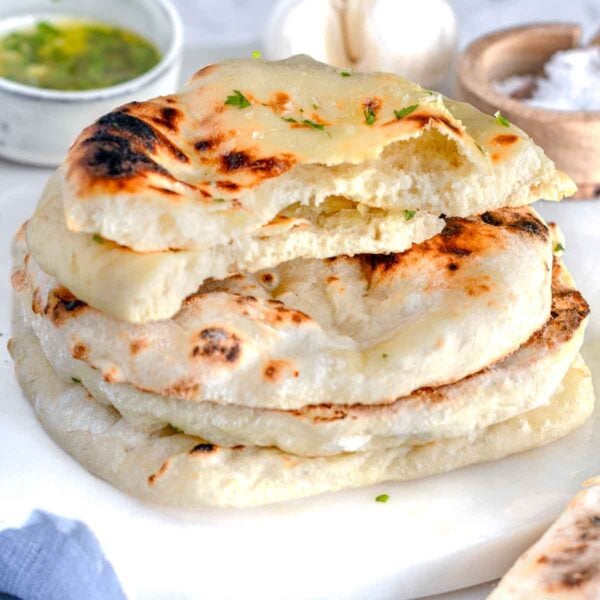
289, 279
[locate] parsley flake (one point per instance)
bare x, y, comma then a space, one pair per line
480, 148
403, 112
313, 124
218, 199
256, 54
384, 355
501, 119
304, 121
382, 498
370, 115
430, 92
98, 239
345, 73
409, 214
558, 247
237, 99
75, 380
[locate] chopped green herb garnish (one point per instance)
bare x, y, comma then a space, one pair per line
403, 112
257, 55
480, 148
559, 247
75, 380
382, 498
370, 115
409, 214
218, 199
384, 355
98, 239
237, 99
501, 119
313, 124
430, 92
345, 73
304, 121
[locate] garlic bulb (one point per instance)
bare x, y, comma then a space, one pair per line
417, 40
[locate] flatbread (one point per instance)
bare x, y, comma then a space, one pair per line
201, 168
565, 563
462, 408
366, 329
140, 287
181, 470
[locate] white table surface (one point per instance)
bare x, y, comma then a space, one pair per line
34, 473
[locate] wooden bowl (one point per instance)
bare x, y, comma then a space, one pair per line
570, 138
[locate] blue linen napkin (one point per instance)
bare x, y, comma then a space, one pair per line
52, 558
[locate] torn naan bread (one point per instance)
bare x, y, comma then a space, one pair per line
201, 188
246, 139
564, 564
185, 471
429, 414
366, 329
147, 286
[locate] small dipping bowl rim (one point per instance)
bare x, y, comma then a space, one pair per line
121, 89
485, 90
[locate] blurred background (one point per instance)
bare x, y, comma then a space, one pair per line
217, 28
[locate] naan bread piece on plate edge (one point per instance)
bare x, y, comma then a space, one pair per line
564, 564
246, 139
175, 469
365, 329
521, 382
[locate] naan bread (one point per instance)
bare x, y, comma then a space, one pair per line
459, 409
245, 139
366, 329
181, 470
140, 287
565, 563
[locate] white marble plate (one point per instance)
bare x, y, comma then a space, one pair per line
434, 535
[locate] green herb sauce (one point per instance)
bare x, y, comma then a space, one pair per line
74, 55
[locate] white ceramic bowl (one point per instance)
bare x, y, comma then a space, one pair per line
38, 125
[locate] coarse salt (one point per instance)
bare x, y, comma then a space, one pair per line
571, 81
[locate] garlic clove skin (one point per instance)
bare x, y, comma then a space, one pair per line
416, 40
312, 27
356, 35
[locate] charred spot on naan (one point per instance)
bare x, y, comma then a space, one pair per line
518, 219
459, 240
169, 118
80, 351
62, 306
275, 370
261, 167
154, 477
502, 146
203, 448
216, 344
18, 280
569, 309
575, 563
138, 345
122, 146
279, 102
